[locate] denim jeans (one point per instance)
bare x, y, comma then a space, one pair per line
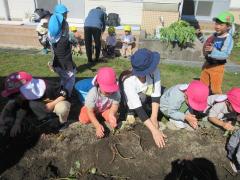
67, 78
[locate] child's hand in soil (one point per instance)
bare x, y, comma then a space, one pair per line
112, 121
228, 126
99, 131
158, 137
192, 120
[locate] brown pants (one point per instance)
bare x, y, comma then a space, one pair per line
212, 75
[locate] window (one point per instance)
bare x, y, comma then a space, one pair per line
197, 7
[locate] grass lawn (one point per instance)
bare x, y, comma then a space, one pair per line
235, 55
36, 64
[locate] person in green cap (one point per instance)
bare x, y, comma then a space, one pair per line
216, 50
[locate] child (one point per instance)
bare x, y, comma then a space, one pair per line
58, 35
103, 99
233, 148
42, 30
222, 112
181, 103
111, 41
216, 50
142, 91
16, 108
128, 42
76, 40
47, 99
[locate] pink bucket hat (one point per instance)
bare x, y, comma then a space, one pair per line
14, 81
234, 98
197, 93
106, 78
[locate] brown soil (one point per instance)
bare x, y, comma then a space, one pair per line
124, 155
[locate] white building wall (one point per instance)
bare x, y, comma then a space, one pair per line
2, 12
129, 11
235, 4
19, 9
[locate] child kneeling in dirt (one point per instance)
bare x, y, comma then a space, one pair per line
182, 102
226, 110
47, 100
233, 148
16, 109
141, 91
111, 42
103, 99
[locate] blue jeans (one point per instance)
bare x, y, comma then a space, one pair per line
67, 78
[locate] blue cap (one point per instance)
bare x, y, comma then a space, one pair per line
55, 25
144, 62
60, 8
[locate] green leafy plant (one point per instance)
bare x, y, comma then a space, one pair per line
179, 32
236, 36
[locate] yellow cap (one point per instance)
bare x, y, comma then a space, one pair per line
73, 28
127, 28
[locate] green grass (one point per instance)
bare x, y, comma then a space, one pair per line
36, 64
235, 55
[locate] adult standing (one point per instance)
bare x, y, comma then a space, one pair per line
93, 27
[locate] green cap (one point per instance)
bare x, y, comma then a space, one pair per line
225, 17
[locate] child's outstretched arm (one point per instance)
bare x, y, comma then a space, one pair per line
97, 125
225, 125
113, 115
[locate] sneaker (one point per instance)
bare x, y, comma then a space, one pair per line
130, 119
44, 51
172, 126
234, 168
50, 66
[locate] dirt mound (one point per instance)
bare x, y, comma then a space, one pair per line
76, 152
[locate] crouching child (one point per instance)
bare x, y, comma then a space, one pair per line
181, 104
103, 99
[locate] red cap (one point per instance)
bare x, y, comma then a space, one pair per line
14, 81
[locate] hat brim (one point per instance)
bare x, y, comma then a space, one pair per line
34, 89
110, 88
235, 107
197, 106
5, 93
155, 61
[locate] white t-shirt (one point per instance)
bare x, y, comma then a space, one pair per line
132, 86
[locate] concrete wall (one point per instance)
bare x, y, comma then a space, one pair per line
234, 4
130, 12
19, 9
151, 19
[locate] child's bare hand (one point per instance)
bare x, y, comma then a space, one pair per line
158, 137
99, 131
112, 120
192, 120
228, 126
15, 130
208, 48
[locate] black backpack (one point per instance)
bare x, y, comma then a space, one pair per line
113, 19
39, 14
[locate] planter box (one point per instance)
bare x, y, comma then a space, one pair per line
167, 51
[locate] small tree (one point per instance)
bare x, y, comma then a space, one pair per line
179, 32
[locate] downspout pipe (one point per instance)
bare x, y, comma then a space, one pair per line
6, 10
